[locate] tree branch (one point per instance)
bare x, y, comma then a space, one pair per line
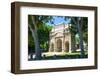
74, 20
30, 27
81, 23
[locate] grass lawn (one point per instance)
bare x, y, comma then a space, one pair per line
62, 55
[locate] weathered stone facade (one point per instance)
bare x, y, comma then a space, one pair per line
60, 38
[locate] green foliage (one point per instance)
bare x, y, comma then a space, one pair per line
39, 20
74, 30
85, 37
77, 39
43, 33
85, 29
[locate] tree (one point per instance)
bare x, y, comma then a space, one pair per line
79, 25
43, 32
33, 23
85, 29
73, 31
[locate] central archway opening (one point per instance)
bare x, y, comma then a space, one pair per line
59, 45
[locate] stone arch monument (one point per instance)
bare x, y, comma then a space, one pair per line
60, 38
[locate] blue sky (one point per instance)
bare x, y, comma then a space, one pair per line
58, 20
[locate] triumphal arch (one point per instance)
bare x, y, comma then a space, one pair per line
60, 38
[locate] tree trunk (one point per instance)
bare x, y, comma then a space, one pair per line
36, 41
81, 38
37, 47
38, 52
73, 47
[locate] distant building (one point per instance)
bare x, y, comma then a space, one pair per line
60, 38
